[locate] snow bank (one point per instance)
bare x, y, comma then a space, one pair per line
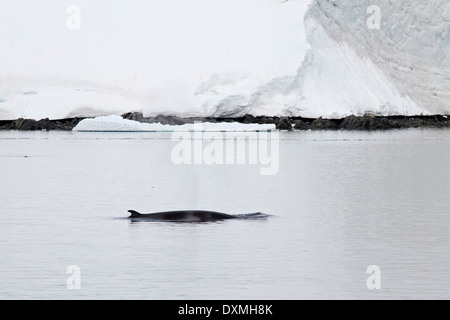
118, 124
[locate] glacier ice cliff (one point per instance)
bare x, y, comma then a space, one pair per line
399, 67
402, 67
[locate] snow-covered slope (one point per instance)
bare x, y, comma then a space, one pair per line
159, 56
226, 58
60, 99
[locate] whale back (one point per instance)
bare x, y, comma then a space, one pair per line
182, 216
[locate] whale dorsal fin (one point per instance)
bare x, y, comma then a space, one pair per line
134, 213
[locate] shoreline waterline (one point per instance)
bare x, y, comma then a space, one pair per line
368, 122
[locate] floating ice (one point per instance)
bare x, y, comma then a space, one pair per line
118, 124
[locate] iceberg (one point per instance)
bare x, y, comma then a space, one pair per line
118, 124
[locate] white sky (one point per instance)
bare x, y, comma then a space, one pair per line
150, 39
150, 46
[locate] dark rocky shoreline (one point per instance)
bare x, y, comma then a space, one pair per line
367, 122
41, 125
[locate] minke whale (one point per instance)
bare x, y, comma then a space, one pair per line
182, 216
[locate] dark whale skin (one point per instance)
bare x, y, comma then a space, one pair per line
182, 216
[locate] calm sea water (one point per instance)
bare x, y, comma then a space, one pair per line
341, 202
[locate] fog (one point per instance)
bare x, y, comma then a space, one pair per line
155, 53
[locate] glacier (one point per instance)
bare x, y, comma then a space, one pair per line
400, 68
309, 58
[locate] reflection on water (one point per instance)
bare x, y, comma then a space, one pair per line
341, 202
